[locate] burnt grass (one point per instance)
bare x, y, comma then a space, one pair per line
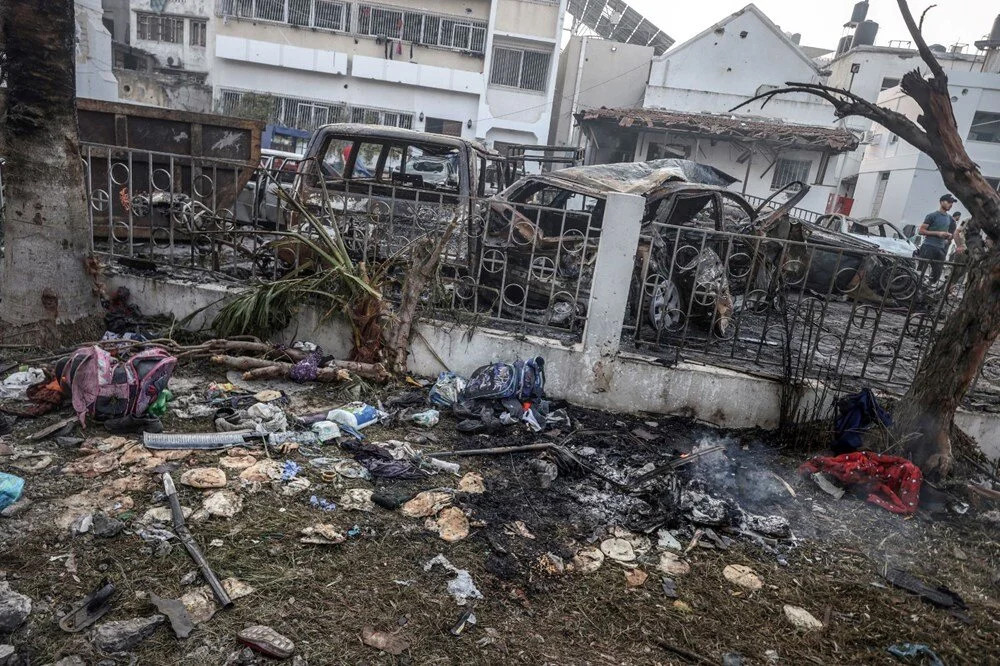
322, 596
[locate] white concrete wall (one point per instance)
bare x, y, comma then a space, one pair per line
915, 183
94, 76
721, 68
192, 58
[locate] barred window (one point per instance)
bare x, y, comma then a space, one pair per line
199, 32
325, 14
519, 68
159, 28
789, 171
421, 27
305, 114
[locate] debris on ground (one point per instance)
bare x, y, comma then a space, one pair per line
393, 643
123, 635
14, 608
267, 641
461, 587
801, 618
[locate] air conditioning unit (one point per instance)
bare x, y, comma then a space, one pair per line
174, 62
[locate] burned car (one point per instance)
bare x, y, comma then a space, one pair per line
539, 246
385, 186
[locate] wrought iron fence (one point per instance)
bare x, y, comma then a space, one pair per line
192, 216
797, 213
790, 308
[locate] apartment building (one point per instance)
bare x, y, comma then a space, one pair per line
470, 68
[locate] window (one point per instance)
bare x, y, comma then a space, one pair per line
373, 116
159, 28
442, 126
517, 68
199, 30
889, 82
326, 14
985, 127
421, 27
789, 171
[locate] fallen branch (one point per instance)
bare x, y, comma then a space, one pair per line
258, 368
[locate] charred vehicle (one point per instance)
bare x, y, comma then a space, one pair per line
538, 250
384, 186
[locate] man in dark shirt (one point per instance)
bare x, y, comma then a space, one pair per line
938, 229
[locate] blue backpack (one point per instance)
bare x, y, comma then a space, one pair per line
521, 380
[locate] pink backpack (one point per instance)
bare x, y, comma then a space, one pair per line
106, 388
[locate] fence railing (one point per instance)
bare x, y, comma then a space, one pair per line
795, 212
790, 308
799, 309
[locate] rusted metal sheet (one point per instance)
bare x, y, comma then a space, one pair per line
144, 151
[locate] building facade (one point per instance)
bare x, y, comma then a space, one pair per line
686, 112
901, 184
591, 72
476, 69
94, 76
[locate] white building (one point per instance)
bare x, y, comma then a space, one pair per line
901, 184
867, 71
479, 69
686, 112
94, 78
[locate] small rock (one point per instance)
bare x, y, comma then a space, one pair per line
472, 483
67, 442
106, 527
743, 576
295, 486
801, 618
124, 635
17, 508
588, 560
669, 588
672, 564
14, 608
322, 534
72, 660
224, 504
161, 514
667, 541
8, 655
204, 477
189, 578
683, 606
393, 643
635, 577
237, 589
82, 524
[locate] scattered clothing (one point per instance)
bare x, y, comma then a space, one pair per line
856, 413
891, 482
909, 651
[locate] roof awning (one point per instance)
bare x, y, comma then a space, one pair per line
737, 128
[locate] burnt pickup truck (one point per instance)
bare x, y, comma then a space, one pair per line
385, 186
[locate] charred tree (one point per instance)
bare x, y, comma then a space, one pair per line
46, 272
924, 415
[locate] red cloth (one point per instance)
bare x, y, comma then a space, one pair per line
892, 483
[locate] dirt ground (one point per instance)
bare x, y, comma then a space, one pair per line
323, 596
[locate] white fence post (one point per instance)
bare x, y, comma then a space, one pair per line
609, 287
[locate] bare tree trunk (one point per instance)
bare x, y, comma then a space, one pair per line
47, 234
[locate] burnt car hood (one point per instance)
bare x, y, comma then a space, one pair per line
635, 177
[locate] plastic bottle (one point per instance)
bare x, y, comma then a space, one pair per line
355, 415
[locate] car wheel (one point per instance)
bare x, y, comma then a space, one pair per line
665, 309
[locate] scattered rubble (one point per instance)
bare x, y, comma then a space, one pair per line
14, 608
123, 635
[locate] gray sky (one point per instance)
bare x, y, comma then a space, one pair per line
821, 22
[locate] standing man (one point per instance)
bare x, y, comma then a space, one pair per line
938, 229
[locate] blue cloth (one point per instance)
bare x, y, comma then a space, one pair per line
856, 413
908, 651
938, 221
10, 489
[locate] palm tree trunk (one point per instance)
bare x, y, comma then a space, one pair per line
46, 228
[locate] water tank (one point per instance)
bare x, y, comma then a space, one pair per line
844, 45
865, 33
938, 48
860, 12
995, 32
796, 38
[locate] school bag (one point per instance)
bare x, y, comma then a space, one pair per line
104, 387
521, 380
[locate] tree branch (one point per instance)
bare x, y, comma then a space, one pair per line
918, 38
846, 103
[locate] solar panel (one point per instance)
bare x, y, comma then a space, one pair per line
617, 21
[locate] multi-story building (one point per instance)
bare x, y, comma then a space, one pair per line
478, 69
901, 184
94, 78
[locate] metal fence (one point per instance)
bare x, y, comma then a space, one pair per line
777, 307
797, 213
189, 216
790, 308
